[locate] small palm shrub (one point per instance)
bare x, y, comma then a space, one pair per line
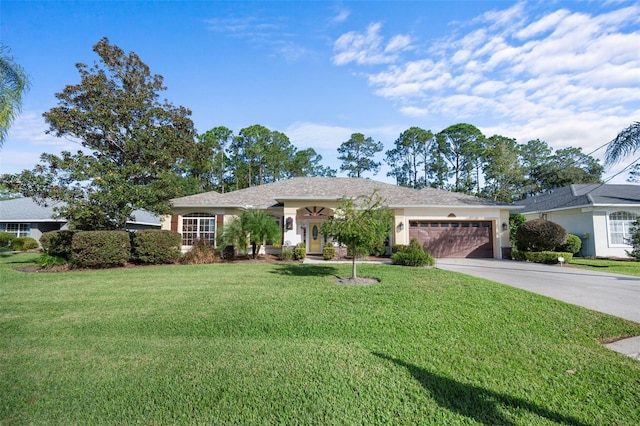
328, 251
201, 253
412, 255
540, 235
23, 244
573, 245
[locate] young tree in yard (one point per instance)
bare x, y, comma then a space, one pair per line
131, 142
361, 224
357, 155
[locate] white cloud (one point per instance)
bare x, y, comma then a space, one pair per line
342, 15
317, 136
369, 47
569, 78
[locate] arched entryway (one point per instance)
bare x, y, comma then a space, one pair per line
310, 219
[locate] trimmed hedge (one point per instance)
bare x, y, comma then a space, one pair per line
23, 244
540, 235
299, 251
154, 246
328, 251
100, 249
411, 255
286, 254
573, 244
547, 257
6, 238
57, 243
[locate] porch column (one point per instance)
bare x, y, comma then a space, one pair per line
290, 224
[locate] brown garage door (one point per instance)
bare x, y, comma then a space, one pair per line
454, 238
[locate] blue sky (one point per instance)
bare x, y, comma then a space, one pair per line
566, 72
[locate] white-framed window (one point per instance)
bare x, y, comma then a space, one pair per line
17, 229
198, 226
620, 225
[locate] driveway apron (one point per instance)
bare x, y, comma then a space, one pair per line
614, 294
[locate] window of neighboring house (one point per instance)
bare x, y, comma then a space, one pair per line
198, 226
17, 229
620, 224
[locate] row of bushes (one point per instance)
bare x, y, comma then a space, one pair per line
10, 241
105, 249
548, 257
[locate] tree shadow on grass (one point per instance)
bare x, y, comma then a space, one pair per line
479, 404
298, 270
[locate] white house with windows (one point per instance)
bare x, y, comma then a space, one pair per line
602, 215
23, 217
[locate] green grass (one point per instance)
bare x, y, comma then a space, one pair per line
283, 344
625, 267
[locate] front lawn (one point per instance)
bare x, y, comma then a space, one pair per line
284, 344
626, 267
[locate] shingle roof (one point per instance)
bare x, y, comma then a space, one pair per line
27, 210
322, 188
583, 196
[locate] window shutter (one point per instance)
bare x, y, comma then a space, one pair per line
174, 222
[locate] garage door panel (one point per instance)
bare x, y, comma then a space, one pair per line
456, 239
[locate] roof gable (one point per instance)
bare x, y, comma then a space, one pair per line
583, 195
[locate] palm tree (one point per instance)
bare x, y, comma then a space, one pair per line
13, 85
253, 227
261, 227
626, 143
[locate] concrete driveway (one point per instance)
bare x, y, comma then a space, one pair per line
614, 294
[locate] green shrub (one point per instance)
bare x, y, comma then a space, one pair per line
23, 244
328, 251
412, 255
286, 254
202, 252
634, 240
299, 251
155, 246
57, 243
48, 261
540, 235
573, 245
100, 249
515, 220
548, 257
6, 238
229, 252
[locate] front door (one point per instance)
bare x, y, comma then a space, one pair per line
315, 237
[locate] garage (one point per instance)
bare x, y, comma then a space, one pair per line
454, 238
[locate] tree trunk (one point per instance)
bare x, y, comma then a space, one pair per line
353, 267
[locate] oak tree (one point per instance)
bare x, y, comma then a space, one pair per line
131, 141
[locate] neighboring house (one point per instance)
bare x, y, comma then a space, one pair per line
601, 215
448, 224
23, 217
